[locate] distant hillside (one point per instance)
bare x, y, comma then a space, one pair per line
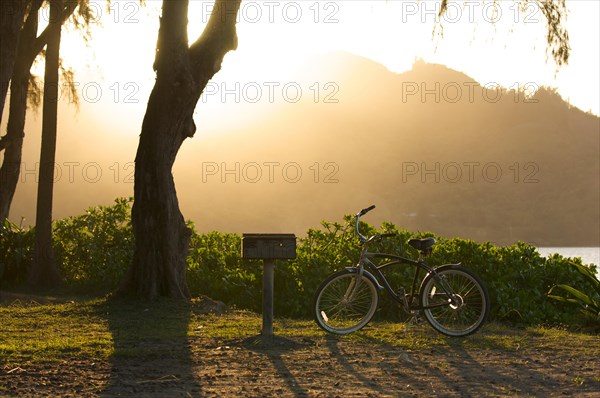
431, 147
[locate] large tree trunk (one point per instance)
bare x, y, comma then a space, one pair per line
11, 20
44, 270
161, 236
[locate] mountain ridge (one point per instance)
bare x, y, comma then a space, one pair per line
487, 165
545, 150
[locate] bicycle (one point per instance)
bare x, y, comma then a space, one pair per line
453, 299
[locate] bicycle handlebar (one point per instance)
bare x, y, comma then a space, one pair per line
363, 238
365, 211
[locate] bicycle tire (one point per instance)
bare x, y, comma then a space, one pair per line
469, 309
344, 306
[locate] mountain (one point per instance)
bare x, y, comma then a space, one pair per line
434, 149
431, 147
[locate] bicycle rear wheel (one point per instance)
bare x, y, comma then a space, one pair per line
464, 311
345, 302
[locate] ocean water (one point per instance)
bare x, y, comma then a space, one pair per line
589, 255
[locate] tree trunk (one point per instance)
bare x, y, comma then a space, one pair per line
30, 45
12, 142
11, 164
11, 20
44, 270
182, 73
161, 236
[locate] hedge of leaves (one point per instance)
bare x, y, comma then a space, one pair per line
94, 250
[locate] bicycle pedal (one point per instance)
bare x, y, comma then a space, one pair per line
414, 319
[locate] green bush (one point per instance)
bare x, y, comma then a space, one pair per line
95, 249
16, 253
517, 278
215, 268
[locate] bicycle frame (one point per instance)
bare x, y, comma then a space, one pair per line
382, 283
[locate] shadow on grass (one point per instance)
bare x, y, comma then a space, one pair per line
152, 355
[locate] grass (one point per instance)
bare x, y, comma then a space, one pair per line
94, 346
99, 329
43, 333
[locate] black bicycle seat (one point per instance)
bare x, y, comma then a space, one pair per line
422, 244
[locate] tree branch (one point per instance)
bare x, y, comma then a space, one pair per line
172, 42
6, 140
40, 42
30, 27
557, 36
218, 38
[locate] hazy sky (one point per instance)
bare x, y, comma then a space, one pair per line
492, 43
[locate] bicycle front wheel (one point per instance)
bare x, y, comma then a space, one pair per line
461, 312
345, 302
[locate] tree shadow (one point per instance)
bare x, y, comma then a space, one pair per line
417, 368
274, 347
352, 364
503, 377
463, 367
152, 354
355, 364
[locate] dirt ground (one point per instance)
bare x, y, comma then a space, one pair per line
200, 365
321, 367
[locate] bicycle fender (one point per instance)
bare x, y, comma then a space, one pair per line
368, 275
443, 266
437, 268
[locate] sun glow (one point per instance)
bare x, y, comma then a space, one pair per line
276, 38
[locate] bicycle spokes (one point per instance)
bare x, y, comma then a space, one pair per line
454, 301
353, 288
346, 302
